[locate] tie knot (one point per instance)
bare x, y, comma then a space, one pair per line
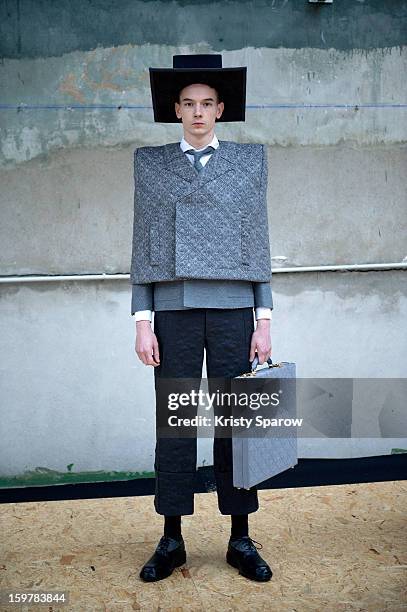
199, 154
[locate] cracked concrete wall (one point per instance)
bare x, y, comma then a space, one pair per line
295, 97
325, 92
33, 28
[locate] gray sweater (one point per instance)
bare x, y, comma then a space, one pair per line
180, 295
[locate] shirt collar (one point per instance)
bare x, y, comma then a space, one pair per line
185, 145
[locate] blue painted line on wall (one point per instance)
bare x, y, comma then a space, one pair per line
354, 105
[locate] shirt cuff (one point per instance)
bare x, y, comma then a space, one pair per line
142, 315
262, 313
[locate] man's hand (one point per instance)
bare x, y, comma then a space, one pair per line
261, 341
147, 344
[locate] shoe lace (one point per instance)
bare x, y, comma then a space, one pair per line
163, 545
249, 544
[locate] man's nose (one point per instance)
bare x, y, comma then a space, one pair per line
198, 110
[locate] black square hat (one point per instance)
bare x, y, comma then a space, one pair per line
166, 84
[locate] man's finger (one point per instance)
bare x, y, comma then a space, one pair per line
146, 355
150, 360
264, 354
156, 351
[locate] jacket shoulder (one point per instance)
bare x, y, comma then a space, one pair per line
248, 155
149, 151
243, 146
249, 151
254, 149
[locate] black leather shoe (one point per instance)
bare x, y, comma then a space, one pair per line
168, 555
242, 554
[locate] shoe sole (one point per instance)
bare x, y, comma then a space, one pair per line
178, 561
235, 564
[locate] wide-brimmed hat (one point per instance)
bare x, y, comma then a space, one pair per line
166, 83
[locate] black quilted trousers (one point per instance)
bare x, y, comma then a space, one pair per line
182, 336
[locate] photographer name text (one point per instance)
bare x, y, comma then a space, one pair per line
222, 421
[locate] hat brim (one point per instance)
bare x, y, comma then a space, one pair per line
167, 82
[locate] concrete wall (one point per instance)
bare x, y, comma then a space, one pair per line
325, 92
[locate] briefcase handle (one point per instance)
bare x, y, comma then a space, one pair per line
255, 362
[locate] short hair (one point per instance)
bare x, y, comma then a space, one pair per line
211, 85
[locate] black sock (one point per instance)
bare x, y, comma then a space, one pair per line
172, 527
240, 525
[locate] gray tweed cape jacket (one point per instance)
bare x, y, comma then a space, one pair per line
211, 224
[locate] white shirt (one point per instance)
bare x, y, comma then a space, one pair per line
185, 146
261, 312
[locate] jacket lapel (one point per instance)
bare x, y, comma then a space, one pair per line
222, 160
177, 162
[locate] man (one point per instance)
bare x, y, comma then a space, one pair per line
201, 261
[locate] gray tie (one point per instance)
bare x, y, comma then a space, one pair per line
197, 156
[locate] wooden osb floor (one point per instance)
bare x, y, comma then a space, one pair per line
330, 548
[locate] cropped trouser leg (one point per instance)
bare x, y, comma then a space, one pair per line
181, 340
182, 337
228, 336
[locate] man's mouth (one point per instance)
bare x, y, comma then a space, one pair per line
198, 123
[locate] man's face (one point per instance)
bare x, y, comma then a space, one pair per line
198, 108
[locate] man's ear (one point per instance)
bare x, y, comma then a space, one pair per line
221, 108
177, 110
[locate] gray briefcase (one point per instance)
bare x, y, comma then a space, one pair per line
257, 458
